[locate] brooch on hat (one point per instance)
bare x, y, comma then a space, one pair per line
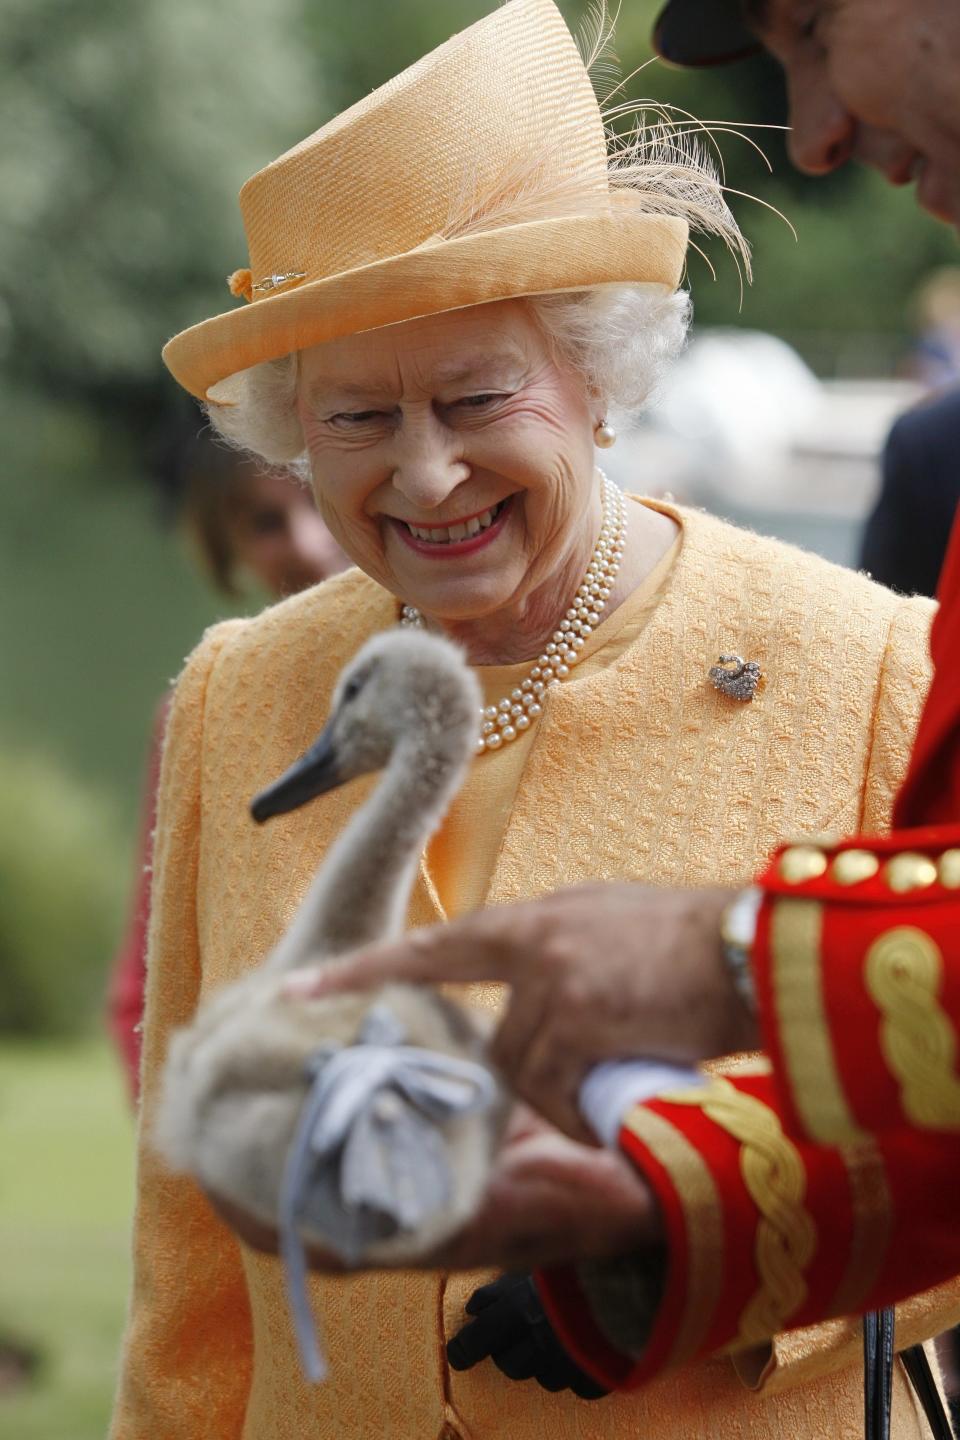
736, 677
241, 282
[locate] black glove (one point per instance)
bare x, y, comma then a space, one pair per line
511, 1326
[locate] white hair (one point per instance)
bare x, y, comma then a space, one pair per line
619, 338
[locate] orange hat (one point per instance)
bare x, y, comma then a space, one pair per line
478, 174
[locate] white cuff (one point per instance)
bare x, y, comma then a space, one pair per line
613, 1088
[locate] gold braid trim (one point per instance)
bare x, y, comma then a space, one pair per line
703, 1223
796, 944
903, 972
774, 1175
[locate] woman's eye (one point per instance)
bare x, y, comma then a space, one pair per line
355, 417
477, 402
267, 522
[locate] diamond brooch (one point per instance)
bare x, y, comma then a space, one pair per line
736, 677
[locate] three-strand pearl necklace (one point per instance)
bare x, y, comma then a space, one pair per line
502, 722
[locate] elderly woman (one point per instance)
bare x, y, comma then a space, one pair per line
452, 285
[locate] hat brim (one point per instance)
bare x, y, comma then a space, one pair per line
537, 257
695, 34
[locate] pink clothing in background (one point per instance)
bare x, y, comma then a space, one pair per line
128, 976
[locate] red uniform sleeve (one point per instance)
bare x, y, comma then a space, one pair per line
766, 1232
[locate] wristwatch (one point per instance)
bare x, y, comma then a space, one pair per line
738, 930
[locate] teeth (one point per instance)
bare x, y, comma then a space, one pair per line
445, 535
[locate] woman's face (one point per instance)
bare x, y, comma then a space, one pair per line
275, 531
452, 458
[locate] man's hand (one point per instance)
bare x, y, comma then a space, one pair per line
550, 1200
599, 972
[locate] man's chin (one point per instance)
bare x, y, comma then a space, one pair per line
938, 192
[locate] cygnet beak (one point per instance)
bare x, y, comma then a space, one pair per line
313, 774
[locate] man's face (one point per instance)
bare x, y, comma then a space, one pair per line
876, 81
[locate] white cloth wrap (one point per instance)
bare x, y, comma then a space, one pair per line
368, 1159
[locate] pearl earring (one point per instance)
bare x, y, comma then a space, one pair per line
604, 436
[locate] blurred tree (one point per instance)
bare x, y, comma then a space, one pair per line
129, 130
365, 42
61, 880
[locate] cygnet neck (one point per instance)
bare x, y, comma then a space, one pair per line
362, 890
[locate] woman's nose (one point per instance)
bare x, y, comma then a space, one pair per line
428, 463
822, 130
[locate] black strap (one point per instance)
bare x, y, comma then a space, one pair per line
878, 1354
877, 1374
918, 1369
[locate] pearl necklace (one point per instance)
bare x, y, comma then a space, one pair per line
503, 722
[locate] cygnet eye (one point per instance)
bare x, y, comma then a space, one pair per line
352, 689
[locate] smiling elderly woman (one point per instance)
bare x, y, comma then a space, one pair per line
451, 286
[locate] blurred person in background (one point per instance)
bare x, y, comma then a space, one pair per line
906, 535
905, 538
249, 521
245, 522
934, 359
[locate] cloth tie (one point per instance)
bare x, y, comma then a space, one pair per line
368, 1159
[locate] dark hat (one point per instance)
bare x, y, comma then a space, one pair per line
703, 32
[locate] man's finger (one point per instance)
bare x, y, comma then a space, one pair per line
550, 1077
465, 950
529, 1004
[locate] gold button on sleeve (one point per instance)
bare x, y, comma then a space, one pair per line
949, 869
909, 872
802, 862
851, 867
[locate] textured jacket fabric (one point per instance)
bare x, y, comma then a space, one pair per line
641, 771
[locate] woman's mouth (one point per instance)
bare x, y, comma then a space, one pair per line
462, 538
